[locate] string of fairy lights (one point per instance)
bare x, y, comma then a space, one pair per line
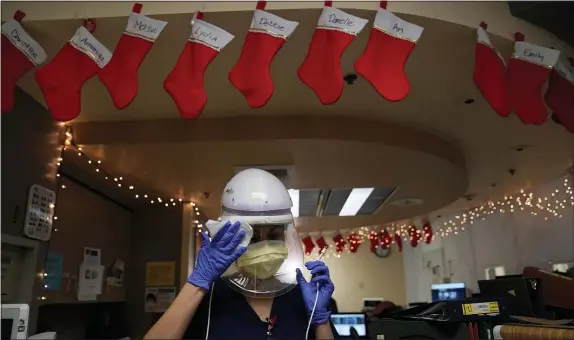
70, 145
550, 206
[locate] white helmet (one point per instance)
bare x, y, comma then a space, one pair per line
262, 203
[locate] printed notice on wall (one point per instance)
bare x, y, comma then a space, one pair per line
158, 299
160, 274
90, 282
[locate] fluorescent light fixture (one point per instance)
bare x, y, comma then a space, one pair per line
295, 199
355, 201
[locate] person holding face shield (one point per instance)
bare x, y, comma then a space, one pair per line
247, 282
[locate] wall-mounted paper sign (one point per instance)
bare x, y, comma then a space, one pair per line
158, 299
92, 256
53, 271
160, 274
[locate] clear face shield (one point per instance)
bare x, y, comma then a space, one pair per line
267, 268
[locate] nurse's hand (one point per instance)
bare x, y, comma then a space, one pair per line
217, 255
320, 275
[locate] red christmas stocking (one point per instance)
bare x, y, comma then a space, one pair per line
383, 62
489, 73
62, 79
321, 70
399, 241
321, 244
525, 75
427, 230
185, 82
339, 243
308, 244
20, 54
560, 94
120, 76
251, 75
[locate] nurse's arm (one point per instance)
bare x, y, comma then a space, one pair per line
323, 331
174, 322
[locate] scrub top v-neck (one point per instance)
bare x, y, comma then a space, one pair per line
232, 317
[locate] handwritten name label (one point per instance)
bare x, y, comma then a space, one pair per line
144, 27
344, 21
391, 24
141, 26
397, 29
564, 71
337, 19
265, 21
86, 42
19, 38
210, 34
90, 47
536, 54
530, 54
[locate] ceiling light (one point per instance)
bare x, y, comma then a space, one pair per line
355, 201
295, 199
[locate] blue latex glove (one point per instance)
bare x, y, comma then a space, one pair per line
320, 274
217, 255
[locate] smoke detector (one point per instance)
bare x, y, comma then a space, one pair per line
407, 202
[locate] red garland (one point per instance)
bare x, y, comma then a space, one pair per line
339, 243
309, 245
354, 242
414, 236
398, 240
321, 243
427, 232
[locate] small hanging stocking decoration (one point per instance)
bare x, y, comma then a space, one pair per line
525, 75
20, 54
308, 244
321, 70
375, 241
414, 236
383, 62
120, 76
321, 244
398, 240
560, 94
251, 75
354, 242
385, 238
489, 71
427, 233
339, 243
185, 82
62, 79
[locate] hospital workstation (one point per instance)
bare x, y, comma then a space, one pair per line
537, 298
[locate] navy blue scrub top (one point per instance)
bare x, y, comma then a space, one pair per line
232, 317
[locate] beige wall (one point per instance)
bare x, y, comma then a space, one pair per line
364, 275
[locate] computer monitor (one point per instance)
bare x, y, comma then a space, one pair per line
344, 321
448, 291
15, 321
